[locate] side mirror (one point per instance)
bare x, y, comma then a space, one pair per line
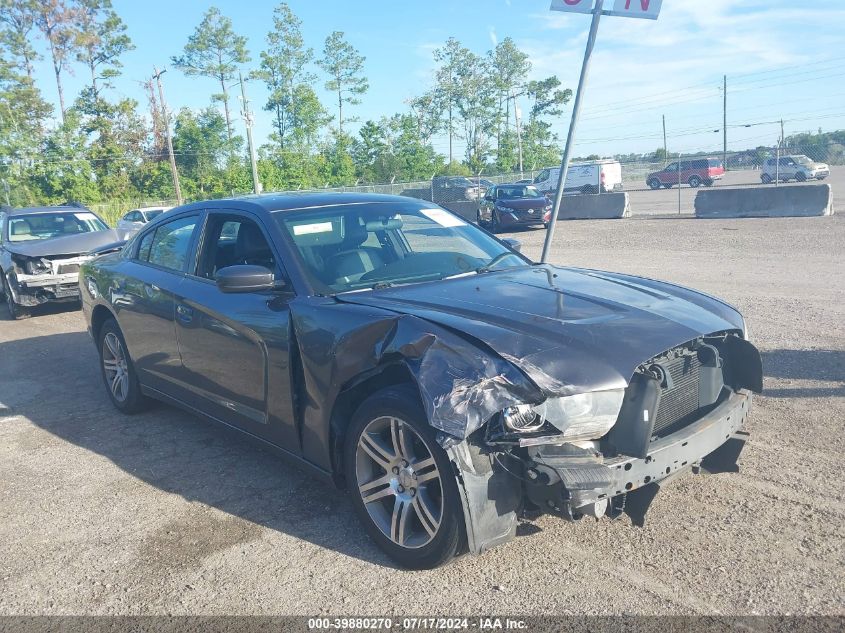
514, 245
245, 278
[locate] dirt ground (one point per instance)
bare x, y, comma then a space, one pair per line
164, 513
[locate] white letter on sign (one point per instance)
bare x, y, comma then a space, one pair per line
573, 6
648, 9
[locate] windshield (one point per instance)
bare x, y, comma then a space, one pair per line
42, 226
516, 192
357, 246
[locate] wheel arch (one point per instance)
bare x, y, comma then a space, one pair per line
99, 315
354, 393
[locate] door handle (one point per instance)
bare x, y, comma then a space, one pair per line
184, 313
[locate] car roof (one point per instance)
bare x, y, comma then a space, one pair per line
12, 211
297, 201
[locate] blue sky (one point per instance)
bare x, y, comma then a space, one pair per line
783, 59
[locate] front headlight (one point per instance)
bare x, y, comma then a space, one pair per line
584, 416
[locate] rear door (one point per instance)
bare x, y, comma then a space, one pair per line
145, 300
235, 347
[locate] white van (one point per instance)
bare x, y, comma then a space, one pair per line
598, 176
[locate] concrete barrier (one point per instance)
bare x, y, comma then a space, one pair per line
765, 202
595, 207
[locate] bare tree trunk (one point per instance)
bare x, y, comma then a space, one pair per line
339, 111
58, 70
226, 110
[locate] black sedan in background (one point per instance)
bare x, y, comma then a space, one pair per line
445, 380
511, 206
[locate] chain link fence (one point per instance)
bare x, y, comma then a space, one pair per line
762, 166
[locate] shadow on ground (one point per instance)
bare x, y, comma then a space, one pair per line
812, 364
54, 381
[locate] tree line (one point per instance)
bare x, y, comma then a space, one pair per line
96, 146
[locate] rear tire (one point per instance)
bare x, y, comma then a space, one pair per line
118, 371
391, 457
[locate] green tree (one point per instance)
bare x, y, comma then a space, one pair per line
200, 144
57, 23
428, 115
282, 69
17, 19
23, 114
65, 173
215, 50
115, 137
510, 68
451, 58
477, 108
344, 66
100, 41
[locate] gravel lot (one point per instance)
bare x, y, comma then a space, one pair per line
165, 514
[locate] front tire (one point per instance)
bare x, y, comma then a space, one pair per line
401, 481
801, 176
15, 311
694, 182
495, 227
118, 371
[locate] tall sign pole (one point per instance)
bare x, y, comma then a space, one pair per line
648, 9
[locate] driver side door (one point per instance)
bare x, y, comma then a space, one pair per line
235, 347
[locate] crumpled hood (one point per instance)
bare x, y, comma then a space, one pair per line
570, 330
77, 244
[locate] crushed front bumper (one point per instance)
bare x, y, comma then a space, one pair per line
33, 290
493, 491
578, 486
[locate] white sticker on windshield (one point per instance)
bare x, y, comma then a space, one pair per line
308, 229
85, 217
442, 218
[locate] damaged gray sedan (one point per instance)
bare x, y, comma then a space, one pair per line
451, 385
41, 250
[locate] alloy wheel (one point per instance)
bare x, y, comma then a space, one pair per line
399, 482
115, 366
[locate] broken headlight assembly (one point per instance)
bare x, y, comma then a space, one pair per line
32, 265
583, 416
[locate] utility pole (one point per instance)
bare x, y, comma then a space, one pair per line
725, 122
517, 113
665, 148
782, 135
166, 120
247, 115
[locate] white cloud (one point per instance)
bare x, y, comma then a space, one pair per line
491, 31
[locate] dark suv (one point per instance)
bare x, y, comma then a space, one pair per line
694, 172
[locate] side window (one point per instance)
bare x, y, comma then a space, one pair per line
671, 167
168, 246
144, 246
232, 240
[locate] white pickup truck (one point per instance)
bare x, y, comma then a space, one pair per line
599, 176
